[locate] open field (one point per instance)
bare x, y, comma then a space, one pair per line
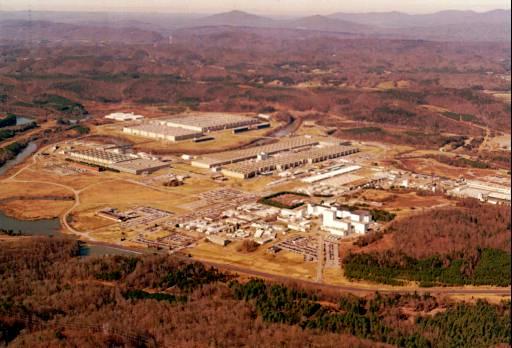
404, 204
34, 208
283, 263
91, 192
428, 166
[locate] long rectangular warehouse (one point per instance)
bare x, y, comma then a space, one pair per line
120, 162
99, 157
331, 174
156, 131
207, 122
247, 170
139, 166
228, 157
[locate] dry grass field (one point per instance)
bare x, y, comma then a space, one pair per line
34, 208
282, 263
428, 166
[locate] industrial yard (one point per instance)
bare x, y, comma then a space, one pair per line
304, 175
296, 200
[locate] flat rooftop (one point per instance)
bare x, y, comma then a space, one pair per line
241, 155
167, 131
289, 158
209, 120
102, 155
140, 164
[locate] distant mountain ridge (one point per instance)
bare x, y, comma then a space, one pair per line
324, 23
403, 20
443, 26
440, 26
19, 30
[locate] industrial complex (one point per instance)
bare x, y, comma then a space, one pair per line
190, 126
159, 132
245, 170
485, 192
123, 116
302, 196
207, 122
285, 154
115, 159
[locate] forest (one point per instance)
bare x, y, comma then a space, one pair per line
10, 151
485, 267
466, 244
9, 120
461, 229
51, 296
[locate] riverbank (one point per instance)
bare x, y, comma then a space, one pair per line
52, 227
18, 210
27, 150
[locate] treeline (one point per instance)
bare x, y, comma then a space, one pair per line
486, 267
281, 304
51, 297
448, 231
10, 120
380, 318
270, 200
466, 244
61, 104
460, 162
10, 151
11, 132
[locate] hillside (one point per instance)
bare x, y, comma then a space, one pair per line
468, 244
440, 26
397, 19
323, 23
50, 297
34, 31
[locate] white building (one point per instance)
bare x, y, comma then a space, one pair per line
316, 210
341, 222
122, 116
485, 192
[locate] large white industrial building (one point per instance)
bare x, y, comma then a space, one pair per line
207, 122
189, 126
127, 163
341, 222
159, 132
122, 116
484, 192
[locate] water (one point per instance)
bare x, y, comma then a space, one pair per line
286, 130
51, 227
27, 151
45, 227
20, 120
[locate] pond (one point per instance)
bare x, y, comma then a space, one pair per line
51, 227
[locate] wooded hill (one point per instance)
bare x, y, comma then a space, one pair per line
467, 244
51, 297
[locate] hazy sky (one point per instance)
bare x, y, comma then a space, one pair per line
257, 6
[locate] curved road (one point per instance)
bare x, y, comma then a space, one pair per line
353, 288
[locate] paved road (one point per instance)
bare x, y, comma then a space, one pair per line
357, 289
238, 269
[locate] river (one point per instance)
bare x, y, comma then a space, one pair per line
20, 120
27, 151
51, 227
